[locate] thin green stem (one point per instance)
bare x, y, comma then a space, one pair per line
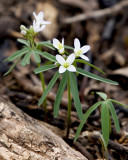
69, 109
66, 52
43, 87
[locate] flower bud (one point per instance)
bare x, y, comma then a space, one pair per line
23, 30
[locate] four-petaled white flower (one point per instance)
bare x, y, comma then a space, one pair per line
66, 64
40, 18
39, 24
79, 51
37, 27
59, 46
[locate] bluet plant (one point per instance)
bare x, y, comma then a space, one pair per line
67, 64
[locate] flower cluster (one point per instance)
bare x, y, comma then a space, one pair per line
78, 52
38, 25
66, 63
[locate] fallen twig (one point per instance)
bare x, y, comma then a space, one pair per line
80, 4
97, 14
83, 150
116, 146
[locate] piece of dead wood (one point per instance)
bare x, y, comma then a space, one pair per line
116, 146
83, 150
98, 14
84, 5
122, 71
22, 138
113, 54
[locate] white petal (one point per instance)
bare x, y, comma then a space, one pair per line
34, 23
34, 26
84, 57
45, 22
62, 69
63, 41
71, 58
71, 68
40, 15
55, 43
42, 27
77, 43
35, 15
85, 48
61, 50
60, 59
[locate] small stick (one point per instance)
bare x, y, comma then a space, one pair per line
97, 14
83, 150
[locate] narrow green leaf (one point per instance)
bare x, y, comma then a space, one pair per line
105, 121
104, 146
47, 44
11, 68
102, 95
36, 56
48, 63
114, 115
93, 76
74, 90
60, 91
68, 47
114, 101
18, 53
91, 65
26, 59
23, 41
50, 85
110, 129
46, 55
85, 117
44, 68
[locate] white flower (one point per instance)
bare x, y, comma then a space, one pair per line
58, 45
79, 51
40, 18
39, 24
66, 64
37, 27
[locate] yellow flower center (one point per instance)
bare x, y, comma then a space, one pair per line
60, 46
66, 65
79, 52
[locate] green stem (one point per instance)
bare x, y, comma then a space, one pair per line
69, 109
42, 81
66, 53
43, 87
